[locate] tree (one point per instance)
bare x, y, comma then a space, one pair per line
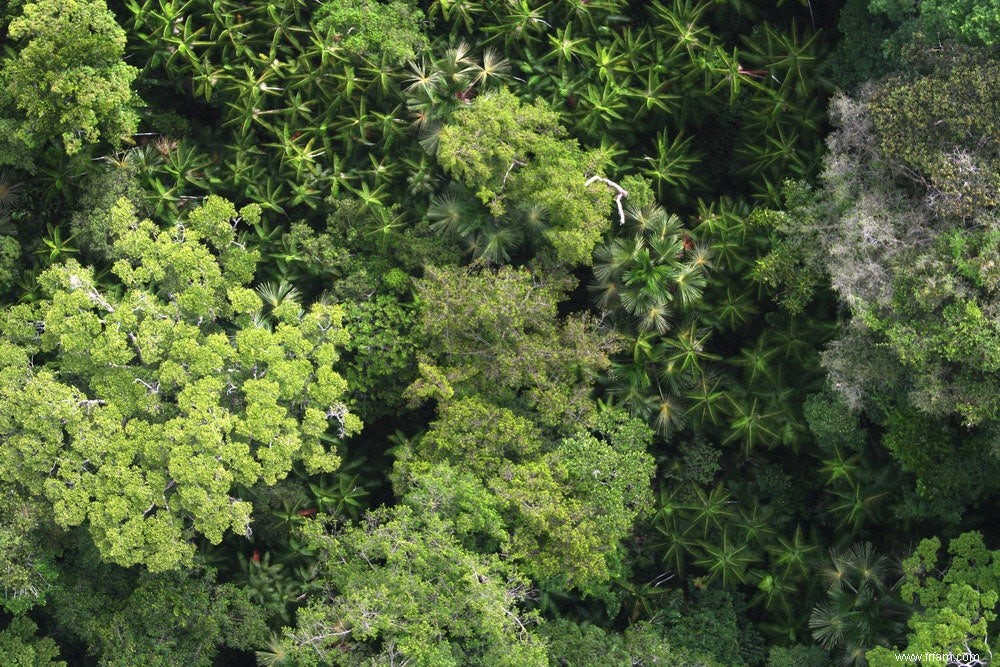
969, 21
21, 648
401, 588
955, 600
374, 29
156, 619
798, 656
559, 510
67, 81
26, 554
954, 155
976, 23
643, 643
498, 334
513, 155
861, 611
140, 409
909, 255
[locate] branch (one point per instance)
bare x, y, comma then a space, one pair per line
515, 163
153, 388
524, 630
75, 283
622, 192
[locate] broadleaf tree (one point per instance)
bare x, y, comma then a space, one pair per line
140, 408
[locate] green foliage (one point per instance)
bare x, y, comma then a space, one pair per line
572, 643
972, 21
173, 618
861, 611
954, 599
559, 510
159, 377
498, 334
93, 222
794, 265
379, 359
707, 623
832, 423
368, 27
910, 260
26, 572
798, 656
67, 80
512, 154
10, 254
944, 127
858, 55
21, 648
953, 468
154, 413
402, 588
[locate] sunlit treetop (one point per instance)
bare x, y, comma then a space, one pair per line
140, 408
66, 81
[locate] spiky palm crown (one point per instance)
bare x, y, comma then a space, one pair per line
860, 611
651, 273
10, 189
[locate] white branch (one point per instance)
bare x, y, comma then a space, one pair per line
622, 192
515, 163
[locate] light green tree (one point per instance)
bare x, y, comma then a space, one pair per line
559, 509
67, 80
401, 589
955, 600
140, 408
498, 334
519, 161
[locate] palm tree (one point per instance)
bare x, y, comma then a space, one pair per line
712, 510
861, 610
668, 412
775, 592
759, 364
563, 47
275, 655
792, 558
520, 24
685, 351
727, 560
840, 469
670, 166
855, 503
755, 524
672, 522
644, 275
752, 425
680, 23
733, 310
643, 600
458, 12
601, 109
791, 56
10, 190
55, 247
650, 94
707, 400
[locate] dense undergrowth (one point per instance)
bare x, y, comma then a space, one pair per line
467, 332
